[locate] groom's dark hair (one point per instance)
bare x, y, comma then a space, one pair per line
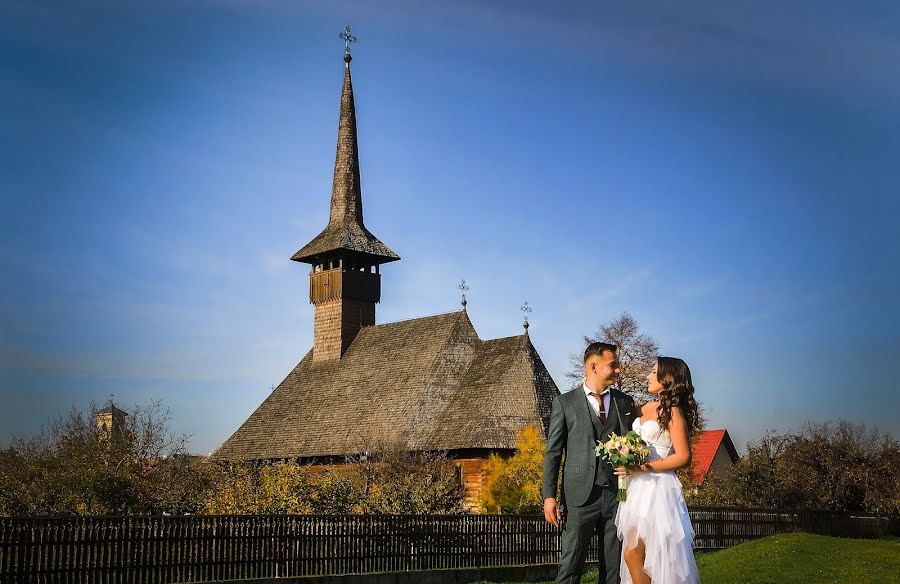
598, 349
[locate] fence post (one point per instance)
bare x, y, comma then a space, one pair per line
410, 540
20, 561
720, 528
478, 546
363, 544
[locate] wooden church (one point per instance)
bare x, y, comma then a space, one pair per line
426, 384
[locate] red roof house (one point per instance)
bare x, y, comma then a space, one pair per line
712, 450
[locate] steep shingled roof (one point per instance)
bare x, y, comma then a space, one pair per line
423, 384
346, 230
704, 449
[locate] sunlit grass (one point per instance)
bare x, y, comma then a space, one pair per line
798, 558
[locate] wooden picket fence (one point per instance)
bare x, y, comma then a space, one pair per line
717, 528
167, 549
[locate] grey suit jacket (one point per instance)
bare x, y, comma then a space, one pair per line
572, 431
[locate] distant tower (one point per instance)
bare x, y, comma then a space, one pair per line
111, 422
345, 279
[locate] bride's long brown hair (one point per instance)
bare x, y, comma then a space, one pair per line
675, 377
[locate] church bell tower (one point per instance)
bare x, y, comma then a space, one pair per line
345, 278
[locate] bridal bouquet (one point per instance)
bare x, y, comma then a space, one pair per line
628, 451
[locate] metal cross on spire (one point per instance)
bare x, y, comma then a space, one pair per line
347, 38
462, 286
526, 310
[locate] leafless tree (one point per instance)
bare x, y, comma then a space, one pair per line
637, 354
74, 467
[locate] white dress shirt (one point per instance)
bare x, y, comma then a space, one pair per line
593, 401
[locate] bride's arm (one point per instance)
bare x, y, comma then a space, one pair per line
682, 456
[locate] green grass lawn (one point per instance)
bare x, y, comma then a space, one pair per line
802, 558
799, 558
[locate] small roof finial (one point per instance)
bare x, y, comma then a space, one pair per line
525, 311
347, 38
462, 286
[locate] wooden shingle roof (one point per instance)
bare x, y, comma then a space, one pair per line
423, 384
346, 231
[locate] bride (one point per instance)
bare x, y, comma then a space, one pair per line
653, 522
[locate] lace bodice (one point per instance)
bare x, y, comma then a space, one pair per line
657, 439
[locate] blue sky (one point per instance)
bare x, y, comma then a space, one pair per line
725, 171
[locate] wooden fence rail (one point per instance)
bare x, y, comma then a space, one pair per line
162, 550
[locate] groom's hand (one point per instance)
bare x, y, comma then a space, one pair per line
552, 511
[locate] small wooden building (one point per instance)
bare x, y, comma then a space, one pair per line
426, 384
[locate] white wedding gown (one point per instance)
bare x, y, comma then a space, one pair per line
655, 512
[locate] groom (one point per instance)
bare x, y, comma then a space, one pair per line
579, 418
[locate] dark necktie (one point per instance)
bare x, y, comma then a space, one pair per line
602, 412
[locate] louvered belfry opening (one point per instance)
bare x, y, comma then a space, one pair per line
344, 296
345, 279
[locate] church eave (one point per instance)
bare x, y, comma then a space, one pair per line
332, 241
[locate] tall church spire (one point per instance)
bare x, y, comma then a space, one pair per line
346, 195
346, 230
345, 280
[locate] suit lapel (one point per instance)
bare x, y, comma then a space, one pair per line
621, 412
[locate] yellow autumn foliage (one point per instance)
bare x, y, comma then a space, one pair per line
275, 489
513, 485
399, 482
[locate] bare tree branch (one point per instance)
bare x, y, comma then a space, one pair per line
637, 354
